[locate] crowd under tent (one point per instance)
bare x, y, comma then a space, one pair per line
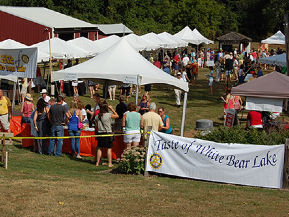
227, 41
120, 61
265, 93
277, 38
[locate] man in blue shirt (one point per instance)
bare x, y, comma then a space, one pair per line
259, 73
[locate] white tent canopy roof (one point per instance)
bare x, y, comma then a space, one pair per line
139, 43
170, 42
179, 42
277, 38
11, 44
60, 49
186, 34
119, 61
193, 37
87, 45
201, 38
279, 60
108, 41
153, 37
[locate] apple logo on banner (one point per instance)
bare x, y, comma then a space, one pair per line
156, 161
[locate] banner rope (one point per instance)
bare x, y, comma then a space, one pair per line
69, 137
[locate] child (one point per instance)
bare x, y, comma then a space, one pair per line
211, 79
184, 75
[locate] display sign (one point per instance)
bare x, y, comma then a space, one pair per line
130, 80
70, 76
18, 62
254, 165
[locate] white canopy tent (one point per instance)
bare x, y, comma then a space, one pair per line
170, 42
193, 37
140, 44
179, 42
60, 49
119, 61
186, 34
11, 44
279, 60
87, 45
201, 38
153, 37
277, 38
108, 41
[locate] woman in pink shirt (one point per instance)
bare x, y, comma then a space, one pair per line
26, 109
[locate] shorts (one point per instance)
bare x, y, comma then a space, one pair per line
131, 138
228, 72
23, 90
25, 120
148, 87
38, 80
194, 76
211, 80
104, 142
126, 90
74, 84
90, 83
5, 122
111, 88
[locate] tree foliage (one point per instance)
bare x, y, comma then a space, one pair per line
256, 19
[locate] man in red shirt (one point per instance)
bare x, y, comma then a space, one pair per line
254, 120
254, 54
176, 62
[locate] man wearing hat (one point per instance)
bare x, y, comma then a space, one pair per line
44, 95
5, 112
178, 92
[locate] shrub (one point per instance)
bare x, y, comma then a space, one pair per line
251, 136
132, 161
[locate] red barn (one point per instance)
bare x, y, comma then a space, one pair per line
30, 25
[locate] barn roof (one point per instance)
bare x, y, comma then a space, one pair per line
109, 29
46, 17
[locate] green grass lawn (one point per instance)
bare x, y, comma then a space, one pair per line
38, 185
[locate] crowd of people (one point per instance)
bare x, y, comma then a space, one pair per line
49, 116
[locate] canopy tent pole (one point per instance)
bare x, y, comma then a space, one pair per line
50, 66
184, 113
14, 95
105, 89
137, 89
286, 31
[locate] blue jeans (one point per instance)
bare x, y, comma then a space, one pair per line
75, 141
56, 131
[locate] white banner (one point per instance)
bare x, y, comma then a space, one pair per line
254, 165
18, 62
264, 104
